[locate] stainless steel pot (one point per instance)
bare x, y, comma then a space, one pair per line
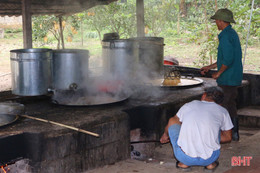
70, 69
31, 71
119, 59
150, 53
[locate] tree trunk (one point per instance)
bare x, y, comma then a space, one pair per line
183, 8
61, 32
58, 45
178, 23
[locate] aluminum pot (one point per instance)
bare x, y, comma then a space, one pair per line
31, 71
119, 59
150, 53
70, 69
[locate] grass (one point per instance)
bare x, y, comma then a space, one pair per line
185, 53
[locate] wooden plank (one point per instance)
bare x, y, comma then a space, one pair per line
27, 24
50, 6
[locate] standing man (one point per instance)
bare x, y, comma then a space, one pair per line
229, 64
197, 129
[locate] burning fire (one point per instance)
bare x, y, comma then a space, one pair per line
4, 169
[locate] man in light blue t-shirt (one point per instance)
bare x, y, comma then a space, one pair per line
197, 130
229, 64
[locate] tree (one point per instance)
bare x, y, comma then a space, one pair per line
49, 25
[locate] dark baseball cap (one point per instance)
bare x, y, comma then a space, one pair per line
224, 14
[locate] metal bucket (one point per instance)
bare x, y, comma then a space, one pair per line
150, 53
70, 69
31, 71
118, 58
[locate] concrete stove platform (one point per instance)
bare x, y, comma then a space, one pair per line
249, 116
56, 149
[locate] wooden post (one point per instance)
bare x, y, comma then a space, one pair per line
140, 18
61, 32
27, 24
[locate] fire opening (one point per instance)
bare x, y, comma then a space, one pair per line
4, 168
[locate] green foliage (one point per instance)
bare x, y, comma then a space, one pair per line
163, 18
116, 17
13, 30
46, 29
12, 33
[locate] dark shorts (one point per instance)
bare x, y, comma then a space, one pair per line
174, 131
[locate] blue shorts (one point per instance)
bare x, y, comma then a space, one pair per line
174, 131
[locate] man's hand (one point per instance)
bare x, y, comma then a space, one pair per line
165, 138
221, 70
215, 75
204, 70
225, 136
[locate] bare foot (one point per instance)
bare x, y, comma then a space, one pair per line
164, 139
212, 165
181, 165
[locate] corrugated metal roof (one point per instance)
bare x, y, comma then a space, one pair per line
43, 7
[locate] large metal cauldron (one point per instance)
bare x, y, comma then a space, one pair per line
150, 54
119, 58
31, 71
9, 112
70, 69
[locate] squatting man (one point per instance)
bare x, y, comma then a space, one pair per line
197, 130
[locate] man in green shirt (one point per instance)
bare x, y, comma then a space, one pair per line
229, 64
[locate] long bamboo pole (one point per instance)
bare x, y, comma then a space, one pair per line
62, 125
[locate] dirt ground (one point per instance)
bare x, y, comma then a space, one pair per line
5, 82
163, 161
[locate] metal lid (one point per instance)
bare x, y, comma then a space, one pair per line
30, 54
74, 51
33, 50
121, 43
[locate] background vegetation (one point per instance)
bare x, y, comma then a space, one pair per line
189, 35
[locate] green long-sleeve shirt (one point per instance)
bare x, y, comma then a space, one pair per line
230, 54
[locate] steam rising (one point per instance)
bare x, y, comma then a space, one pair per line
121, 77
